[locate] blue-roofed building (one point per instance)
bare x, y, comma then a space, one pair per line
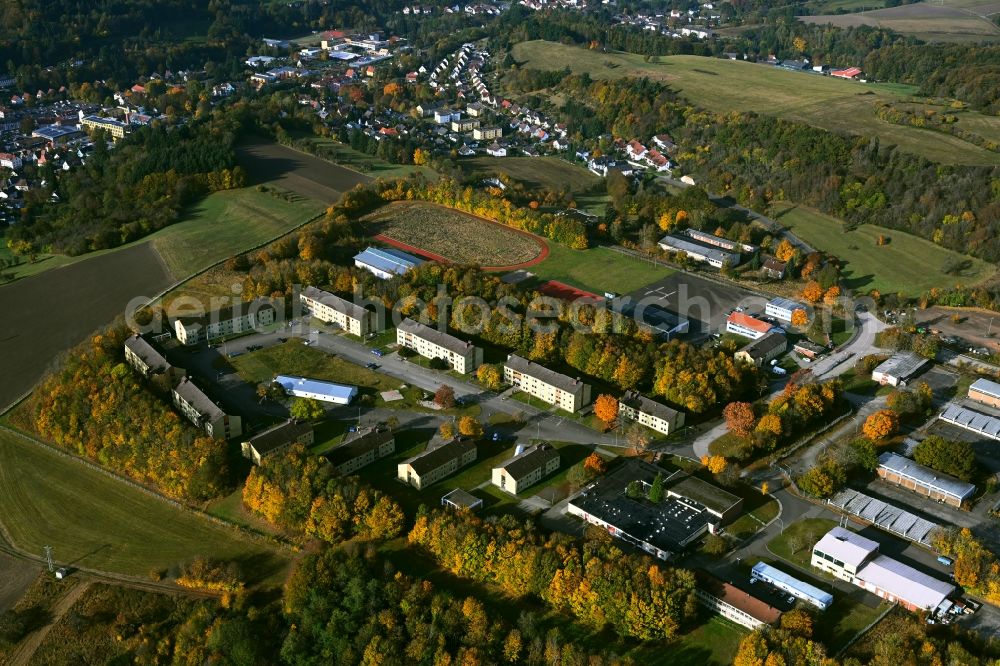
385, 262
793, 586
303, 387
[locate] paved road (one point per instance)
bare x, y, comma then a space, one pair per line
861, 345
772, 225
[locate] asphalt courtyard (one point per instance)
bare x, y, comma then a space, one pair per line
704, 302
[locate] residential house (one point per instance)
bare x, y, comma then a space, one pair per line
657, 416
486, 133
774, 269
436, 463
198, 408
277, 438
547, 385
496, 150
461, 356
361, 449
333, 309
148, 361
526, 468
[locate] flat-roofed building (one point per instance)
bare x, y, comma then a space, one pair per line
795, 587
547, 385
986, 392
719, 241
461, 356
763, 350
362, 449
277, 438
316, 389
742, 324
856, 559
723, 505
525, 468
807, 349
147, 361
783, 308
971, 420
58, 134
734, 603
898, 368
116, 128
234, 320
198, 408
385, 263
925, 481
657, 416
333, 309
434, 464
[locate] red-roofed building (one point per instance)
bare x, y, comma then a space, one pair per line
388, 131
635, 149
849, 73
743, 324
411, 77
138, 89
733, 603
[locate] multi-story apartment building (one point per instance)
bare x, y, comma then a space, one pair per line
525, 468
277, 438
435, 464
637, 407
233, 320
362, 450
461, 356
148, 361
546, 385
198, 408
333, 309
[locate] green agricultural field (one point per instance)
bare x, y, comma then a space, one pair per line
598, 269
908, 264
728, 85
224, 223
535, 173
342, 154
94, 521
937, 21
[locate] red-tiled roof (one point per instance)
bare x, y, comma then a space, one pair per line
745, 320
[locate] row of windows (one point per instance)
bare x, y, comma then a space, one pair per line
829, 558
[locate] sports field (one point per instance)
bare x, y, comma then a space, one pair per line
598, 270
938, 21
535, 173
454, 235
97, 522
908, 264
224, 223
731, 85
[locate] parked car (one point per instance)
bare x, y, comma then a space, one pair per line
947, 561
371, 365
377, 352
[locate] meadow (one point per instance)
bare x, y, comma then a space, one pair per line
719, 85
907, 264
343, 155
98, 522
454, 235
598, 270
938, 21
534, 173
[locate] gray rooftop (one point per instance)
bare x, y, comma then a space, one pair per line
195, 397
440, 338
431, 459
359, 445
229, 312
884, 516
278, 436
541, 373
786, 304
526, 462
986, 387
462, 498
336, 302
902, 364
987, 426
766, 344
926, 476
147, 353
693, 246
712, 497
636, 400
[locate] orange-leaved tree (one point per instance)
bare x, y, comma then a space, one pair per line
812, 292
595, 464
739, 418
800, 318
606, 408
881, 424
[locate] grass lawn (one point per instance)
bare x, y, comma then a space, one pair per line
713, 643
729, 445
535, 173
939, 21
796, 542
95, 521
342, 154
453, 234
728, 85
908, 264
224, 223
598, 269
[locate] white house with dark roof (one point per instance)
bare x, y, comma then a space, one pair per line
333, 309
547, 385
198, 408
233, 320
461, 356
147, 361
275, 439
525, 468
637, 407
434, 464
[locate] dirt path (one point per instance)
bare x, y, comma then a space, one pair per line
26, 650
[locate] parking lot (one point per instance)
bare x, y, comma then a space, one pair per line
704, 302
